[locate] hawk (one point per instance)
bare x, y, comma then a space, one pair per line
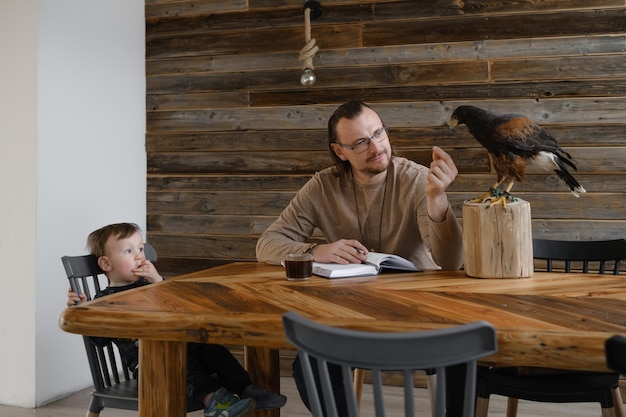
514, 142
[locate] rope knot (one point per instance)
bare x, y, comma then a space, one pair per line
310, 48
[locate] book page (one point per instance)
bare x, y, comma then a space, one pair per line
342, 271
385, 260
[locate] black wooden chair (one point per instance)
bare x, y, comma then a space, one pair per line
382, 352
114, 387
551, 385
615, 348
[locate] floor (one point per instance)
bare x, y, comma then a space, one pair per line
76, 406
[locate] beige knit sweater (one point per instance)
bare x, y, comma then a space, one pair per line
389, 217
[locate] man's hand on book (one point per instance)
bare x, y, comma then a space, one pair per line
342, 252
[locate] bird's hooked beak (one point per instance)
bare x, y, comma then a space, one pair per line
453, 122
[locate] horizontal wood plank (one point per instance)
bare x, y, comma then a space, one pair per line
598, 111
443, 7
196, 100
222, 182
588, 206
286, 39
404, 74
615, 183
241, 225
401, 138
610, 66
606, 160
201, 247
491, 49
450, 92
191, 7
430, 74
454, 29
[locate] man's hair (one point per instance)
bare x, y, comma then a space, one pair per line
350, 110
98, 238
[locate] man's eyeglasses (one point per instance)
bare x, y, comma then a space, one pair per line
362, 145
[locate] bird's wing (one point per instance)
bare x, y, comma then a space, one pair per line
522, 135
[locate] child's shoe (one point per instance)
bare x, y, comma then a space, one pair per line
264, 399
225, 404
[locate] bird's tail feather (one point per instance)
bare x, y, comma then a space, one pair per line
565, 157
569, 179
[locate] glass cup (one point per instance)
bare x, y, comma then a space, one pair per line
298, 266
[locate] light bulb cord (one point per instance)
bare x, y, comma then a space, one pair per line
310, 48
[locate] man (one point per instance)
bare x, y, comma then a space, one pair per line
369, 200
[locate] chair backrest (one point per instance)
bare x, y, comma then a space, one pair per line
586, 253
386, 351
615, 348
105, 364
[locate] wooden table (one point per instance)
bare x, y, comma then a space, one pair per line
551, 319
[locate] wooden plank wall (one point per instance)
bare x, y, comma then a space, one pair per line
232, 135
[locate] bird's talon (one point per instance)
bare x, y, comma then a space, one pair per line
501, 201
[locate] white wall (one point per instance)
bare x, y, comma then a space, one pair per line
71, 160
18, 147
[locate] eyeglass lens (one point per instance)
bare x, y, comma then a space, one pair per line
363, 144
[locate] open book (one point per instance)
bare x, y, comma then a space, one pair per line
374, 263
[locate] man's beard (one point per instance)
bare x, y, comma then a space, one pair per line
378, 169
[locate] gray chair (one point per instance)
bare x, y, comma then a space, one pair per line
581, 255
386, 351
615, 348
114, 387
552, 385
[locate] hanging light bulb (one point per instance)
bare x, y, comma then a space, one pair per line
307, 78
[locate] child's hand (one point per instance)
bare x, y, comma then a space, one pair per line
148, 271
73, 298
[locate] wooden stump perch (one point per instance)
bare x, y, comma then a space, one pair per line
497, 242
